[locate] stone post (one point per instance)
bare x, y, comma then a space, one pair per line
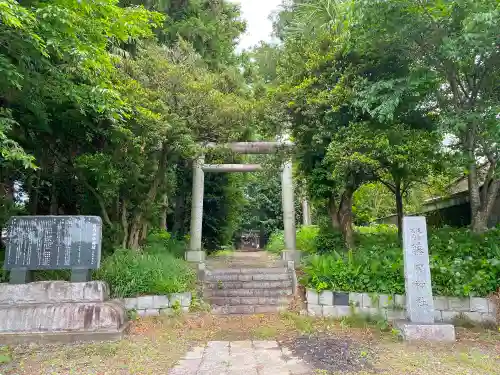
290, 252
419, 301
195, 253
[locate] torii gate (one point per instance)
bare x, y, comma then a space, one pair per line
195, 252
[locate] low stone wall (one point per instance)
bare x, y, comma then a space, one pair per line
157, 305
393, 307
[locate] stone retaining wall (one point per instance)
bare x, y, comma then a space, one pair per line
157, 305
393, 307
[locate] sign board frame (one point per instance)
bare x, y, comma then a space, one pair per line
52, 243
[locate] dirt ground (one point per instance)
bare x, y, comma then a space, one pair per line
154, 345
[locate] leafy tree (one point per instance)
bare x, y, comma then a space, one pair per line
212, 27
453, 49
397, 156
109, 117
372, 201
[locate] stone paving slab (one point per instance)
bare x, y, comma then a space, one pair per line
241, 357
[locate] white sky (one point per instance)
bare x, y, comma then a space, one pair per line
259, 27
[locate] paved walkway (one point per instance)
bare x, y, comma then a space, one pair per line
248, 259
241, 358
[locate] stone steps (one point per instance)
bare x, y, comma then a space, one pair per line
234, 301
247, 270
248, 284
247, 290
247, 277
277, 292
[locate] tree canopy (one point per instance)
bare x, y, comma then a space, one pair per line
104, 104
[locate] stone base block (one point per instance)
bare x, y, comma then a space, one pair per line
53, 292
62, 337
426, 332
291, 255
195, 256
60, 317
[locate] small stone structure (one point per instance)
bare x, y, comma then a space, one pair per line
158, 305
59, 311
393, 307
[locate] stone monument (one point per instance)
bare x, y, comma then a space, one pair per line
419, 302
56, 311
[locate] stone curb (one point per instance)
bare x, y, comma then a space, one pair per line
158, 304
393, 307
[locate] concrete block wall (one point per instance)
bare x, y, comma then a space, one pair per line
393, 307
158, 305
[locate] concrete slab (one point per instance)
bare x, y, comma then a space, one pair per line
241, 357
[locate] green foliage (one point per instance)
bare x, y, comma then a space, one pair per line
131, 273
453, 74
110, 100
462, 263
161, 242
372, 201
276, 242
328, 239
306, 240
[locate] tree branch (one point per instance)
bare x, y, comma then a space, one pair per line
105, 215
388, 185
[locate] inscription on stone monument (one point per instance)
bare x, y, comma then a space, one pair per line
53, 242
420, 305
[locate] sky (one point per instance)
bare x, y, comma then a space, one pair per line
259, 27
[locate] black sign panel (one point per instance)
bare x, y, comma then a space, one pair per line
53, 242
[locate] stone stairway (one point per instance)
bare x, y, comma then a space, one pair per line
243, 285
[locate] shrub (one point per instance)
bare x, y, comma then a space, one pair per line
328, 240
160, 242
462, 263
306, 238
276, 242
131, 273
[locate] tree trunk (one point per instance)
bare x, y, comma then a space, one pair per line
333, 212
144, 231
482, 201
179, 213
399, 209
164, 213
124, 224
33, 195
53, 191
478, 223
345, 217
133, 238
135, 229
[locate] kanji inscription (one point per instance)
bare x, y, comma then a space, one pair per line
53, 242
420, 305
